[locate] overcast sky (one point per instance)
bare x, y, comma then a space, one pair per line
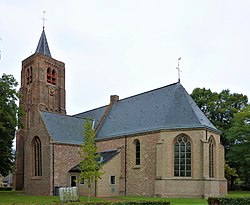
126, 47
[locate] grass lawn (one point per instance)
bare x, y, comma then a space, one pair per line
173, 201
14, 197
239, 194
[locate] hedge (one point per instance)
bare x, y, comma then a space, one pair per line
229, 201
131, 203
5, 188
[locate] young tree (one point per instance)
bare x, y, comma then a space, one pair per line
90, 164
8, 121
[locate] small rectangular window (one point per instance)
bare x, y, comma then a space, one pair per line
82, 181
112, 180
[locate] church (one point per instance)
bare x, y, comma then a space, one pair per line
157, 143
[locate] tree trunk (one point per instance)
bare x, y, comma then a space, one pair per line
89, 192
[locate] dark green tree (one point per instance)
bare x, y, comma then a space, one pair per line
220, 108
8, 121
231, 175
239, 136
90, 164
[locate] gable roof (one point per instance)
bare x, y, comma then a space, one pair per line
168, 107
104, 158
95, 114
43, 46
64, 128
165, 108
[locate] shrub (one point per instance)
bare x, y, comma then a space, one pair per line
132, 203
5, 189
229, 201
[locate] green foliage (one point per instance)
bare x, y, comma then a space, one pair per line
132, 203
239, 136
90, 164
229, 201
231, 175
8, 121
5, 189
229, 112
230, 172
219, 107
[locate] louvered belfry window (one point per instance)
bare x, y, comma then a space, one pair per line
29, 75
51, 76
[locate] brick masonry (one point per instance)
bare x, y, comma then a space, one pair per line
153, 177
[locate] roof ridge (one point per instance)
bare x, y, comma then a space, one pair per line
89, 110
128, 97
63, 115
149, 91
195, 108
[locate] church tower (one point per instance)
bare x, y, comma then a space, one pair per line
42, 83
42, 89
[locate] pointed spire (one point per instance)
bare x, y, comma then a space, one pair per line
43, 46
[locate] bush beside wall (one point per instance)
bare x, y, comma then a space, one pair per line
5, 189
132, 203
229, 201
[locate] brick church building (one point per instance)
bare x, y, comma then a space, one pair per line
156, 143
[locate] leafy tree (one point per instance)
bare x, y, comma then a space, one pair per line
8, 121
231, 175
223, 110
239, 135
90, 164
220, 108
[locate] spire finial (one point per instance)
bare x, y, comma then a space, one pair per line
44, 19
178, 68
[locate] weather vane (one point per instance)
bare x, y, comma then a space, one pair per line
43, 18
178, 68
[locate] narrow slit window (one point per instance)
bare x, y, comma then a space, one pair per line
37, 157
211, 157
112, 180
137, 152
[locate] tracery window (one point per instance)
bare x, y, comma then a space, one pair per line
51, 76
37, 156
182, 156
137, 152
211, 157
29, 75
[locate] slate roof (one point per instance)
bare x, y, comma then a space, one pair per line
165, 108
95, 114
168, 107
43, 46
104, 157
64, 128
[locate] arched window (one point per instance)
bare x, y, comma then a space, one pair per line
137, 152
37, 156
51, 76
211, 157
182, 156
29, 75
